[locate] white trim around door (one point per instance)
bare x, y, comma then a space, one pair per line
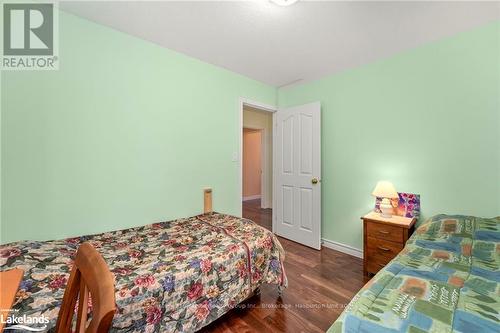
266, 202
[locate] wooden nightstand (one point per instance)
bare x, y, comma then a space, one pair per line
383, 239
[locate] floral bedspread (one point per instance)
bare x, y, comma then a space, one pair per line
446, 279
175, 276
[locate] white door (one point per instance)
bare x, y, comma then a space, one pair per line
297, 174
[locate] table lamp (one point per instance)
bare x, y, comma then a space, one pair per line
386, 191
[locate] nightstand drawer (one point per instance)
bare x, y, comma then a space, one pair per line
376, 263
384, 231
383, 248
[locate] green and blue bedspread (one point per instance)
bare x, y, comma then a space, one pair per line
446, 279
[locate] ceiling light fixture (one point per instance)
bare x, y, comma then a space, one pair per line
284, 3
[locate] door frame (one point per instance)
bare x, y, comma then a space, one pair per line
265, 202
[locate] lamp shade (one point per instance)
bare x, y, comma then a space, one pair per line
385, 189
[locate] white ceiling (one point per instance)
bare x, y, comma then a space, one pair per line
282, 45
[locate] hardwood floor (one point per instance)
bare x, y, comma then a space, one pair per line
252, 211
320, 285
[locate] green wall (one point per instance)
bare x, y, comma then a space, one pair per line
123, 134
126, 133
427, 119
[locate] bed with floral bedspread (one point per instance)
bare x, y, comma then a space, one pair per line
174, 276
446, 279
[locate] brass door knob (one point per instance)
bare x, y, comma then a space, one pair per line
314, 180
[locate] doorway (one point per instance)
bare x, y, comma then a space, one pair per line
257, 163
291, 189
252, 164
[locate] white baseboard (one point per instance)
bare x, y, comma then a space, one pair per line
342, 248
251, 197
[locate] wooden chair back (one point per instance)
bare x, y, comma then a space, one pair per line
90, 274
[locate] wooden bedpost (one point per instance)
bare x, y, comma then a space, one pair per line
207, 200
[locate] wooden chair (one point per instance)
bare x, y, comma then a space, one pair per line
89, 274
